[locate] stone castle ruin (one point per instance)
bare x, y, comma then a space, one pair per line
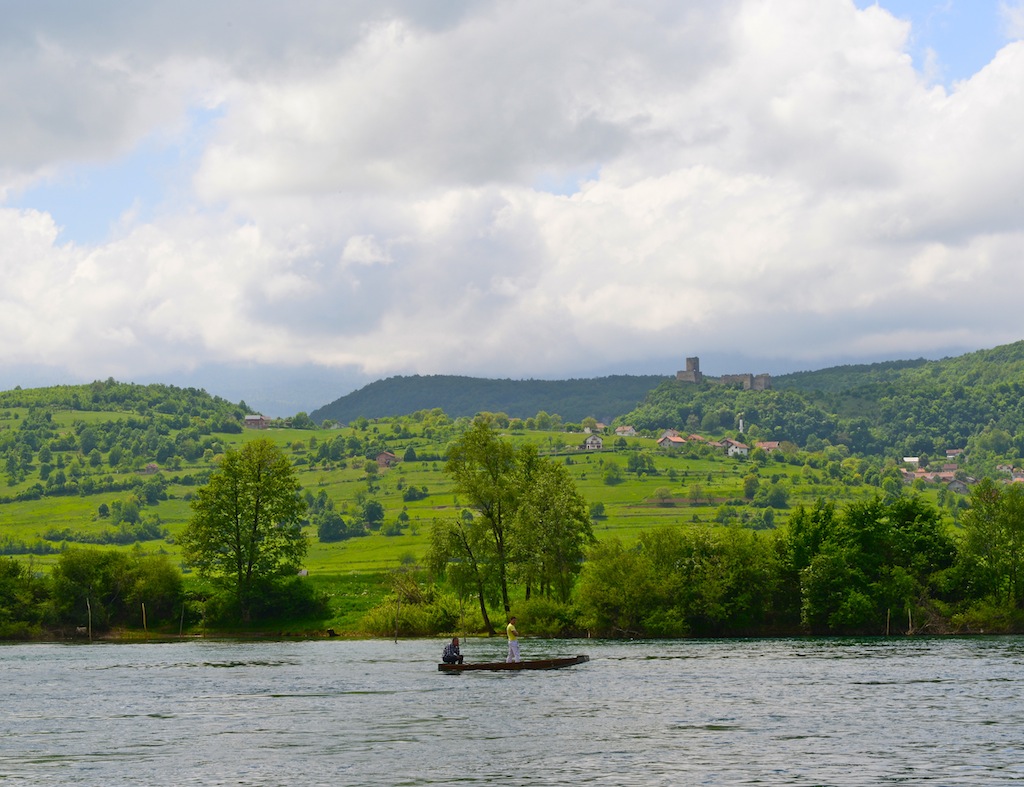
749, 382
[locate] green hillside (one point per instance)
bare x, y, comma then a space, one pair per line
115, 465
602, 398
916, 408
79, 471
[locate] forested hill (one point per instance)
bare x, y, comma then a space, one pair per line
1001, 364
177, 407
973, 401
603, 398
842, 378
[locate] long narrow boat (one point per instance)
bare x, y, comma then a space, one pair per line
496, 666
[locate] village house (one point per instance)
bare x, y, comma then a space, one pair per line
671, 441
735, 447
593, 443
256, 422
386, 459
768, 445
625, 431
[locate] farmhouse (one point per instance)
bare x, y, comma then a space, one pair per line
256, 422
593, 443
735, 447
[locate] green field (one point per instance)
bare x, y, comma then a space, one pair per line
692, 491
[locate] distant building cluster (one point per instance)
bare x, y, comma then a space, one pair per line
749, 382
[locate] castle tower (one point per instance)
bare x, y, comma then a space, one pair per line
692, 373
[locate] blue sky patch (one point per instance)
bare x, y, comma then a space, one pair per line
87, 200
964, 34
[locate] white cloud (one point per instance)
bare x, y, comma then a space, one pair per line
364, 250
768, 177
1013, 19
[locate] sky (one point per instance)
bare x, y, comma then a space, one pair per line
280, 203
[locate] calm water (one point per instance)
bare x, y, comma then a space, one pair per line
806, 712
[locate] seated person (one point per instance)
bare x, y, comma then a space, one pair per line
451, 653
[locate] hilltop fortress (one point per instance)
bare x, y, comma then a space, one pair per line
750, 382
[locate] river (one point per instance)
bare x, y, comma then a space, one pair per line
332, 712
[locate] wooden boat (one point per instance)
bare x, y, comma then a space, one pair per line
496, 666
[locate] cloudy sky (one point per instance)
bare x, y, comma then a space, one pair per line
280, 202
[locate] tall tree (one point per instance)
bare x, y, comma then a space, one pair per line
458, 549
993, 544
874, 558
552, 528
530, 525
246, 522
484, 469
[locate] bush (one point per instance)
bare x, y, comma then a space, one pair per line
277, 599
544, 617
435, 612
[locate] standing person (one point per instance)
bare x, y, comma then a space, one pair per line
451, 653
513, 640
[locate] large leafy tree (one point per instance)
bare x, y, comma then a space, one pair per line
552, 529
108, 588
875, 558
527, 524
675, 582
22, 594
245, 528
993, 543
460, 548
485, 471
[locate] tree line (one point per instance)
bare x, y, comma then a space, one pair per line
883, 566
888, 565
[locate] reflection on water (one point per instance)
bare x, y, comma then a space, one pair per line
804, 712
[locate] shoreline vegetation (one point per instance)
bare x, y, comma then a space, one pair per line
868, 501
872, 568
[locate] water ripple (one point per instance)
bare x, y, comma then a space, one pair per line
757, 712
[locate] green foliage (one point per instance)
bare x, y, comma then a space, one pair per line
527, 524
993, 544
141, 452
547, 617
415, 608
373, 513
641, 464
974, 401
779, 415
551, 529
467, 396
127, 532
22, 596
109, 588
283, 599
245, 527
683, 582
612, 474
858, 567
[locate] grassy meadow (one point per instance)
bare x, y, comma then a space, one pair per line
680, 491
706, 489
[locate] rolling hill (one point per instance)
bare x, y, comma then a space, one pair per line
603, 398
